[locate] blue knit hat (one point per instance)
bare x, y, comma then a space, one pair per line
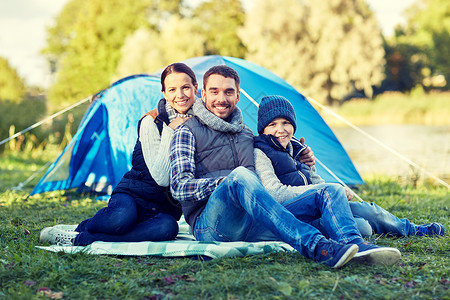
272, 107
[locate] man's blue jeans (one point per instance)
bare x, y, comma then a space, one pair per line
240, 209
124, 220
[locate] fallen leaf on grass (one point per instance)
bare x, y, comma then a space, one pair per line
29, 282
284, 287
10, 265
168, 280
145, 262
410, 284
45, 291
189, 279
154, 297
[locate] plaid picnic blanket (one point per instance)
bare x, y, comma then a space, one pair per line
184, 245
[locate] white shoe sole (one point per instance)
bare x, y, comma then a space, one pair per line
55, 236
380, 256
348, 255
65, 227
43, 233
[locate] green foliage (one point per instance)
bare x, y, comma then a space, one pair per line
15, 117
210, 28
326, 49
29, 273
147, 51
396, 108
219, 22
425, 43
401, 73
87, 45
12, 87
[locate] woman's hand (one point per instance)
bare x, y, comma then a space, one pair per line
177, 122
348, 193
307, 156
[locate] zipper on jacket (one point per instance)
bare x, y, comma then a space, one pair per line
232, 140
305, 180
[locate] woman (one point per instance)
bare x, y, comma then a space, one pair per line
140, 207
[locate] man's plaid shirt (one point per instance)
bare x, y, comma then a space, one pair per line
184, 185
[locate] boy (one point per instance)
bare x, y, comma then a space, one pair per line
285, 178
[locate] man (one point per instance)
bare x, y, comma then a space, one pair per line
212, 175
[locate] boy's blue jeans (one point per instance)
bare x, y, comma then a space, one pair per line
371, 218
125, 220
240, 209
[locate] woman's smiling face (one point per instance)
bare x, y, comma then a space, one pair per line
179, 91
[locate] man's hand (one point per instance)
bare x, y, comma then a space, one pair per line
307, 156
177, 122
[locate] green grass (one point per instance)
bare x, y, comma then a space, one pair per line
395, 108
29, 273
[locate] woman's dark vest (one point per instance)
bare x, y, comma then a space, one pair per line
139, 183
289, 170
217, 154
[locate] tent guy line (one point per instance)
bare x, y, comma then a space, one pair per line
20, 185
393, 151
257, 105
74, 168
97, 164
45, 120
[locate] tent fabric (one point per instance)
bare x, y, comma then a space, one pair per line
100, 152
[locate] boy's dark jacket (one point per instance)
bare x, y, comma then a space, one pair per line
288, 168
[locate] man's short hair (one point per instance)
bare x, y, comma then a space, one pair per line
224, 71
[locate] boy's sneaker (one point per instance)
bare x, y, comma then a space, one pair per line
373, 255
334, 254
66, 227
55, 236
430, 229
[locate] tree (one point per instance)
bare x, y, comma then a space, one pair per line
427, 32
327, 49
147, 51
84, 45
12, 86
218, 21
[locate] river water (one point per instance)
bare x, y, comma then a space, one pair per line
426, 146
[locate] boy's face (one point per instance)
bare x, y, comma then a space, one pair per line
281, 129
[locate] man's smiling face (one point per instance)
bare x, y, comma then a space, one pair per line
220, 95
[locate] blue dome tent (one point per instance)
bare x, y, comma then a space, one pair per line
100, 152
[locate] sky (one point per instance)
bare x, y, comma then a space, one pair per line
23, 26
